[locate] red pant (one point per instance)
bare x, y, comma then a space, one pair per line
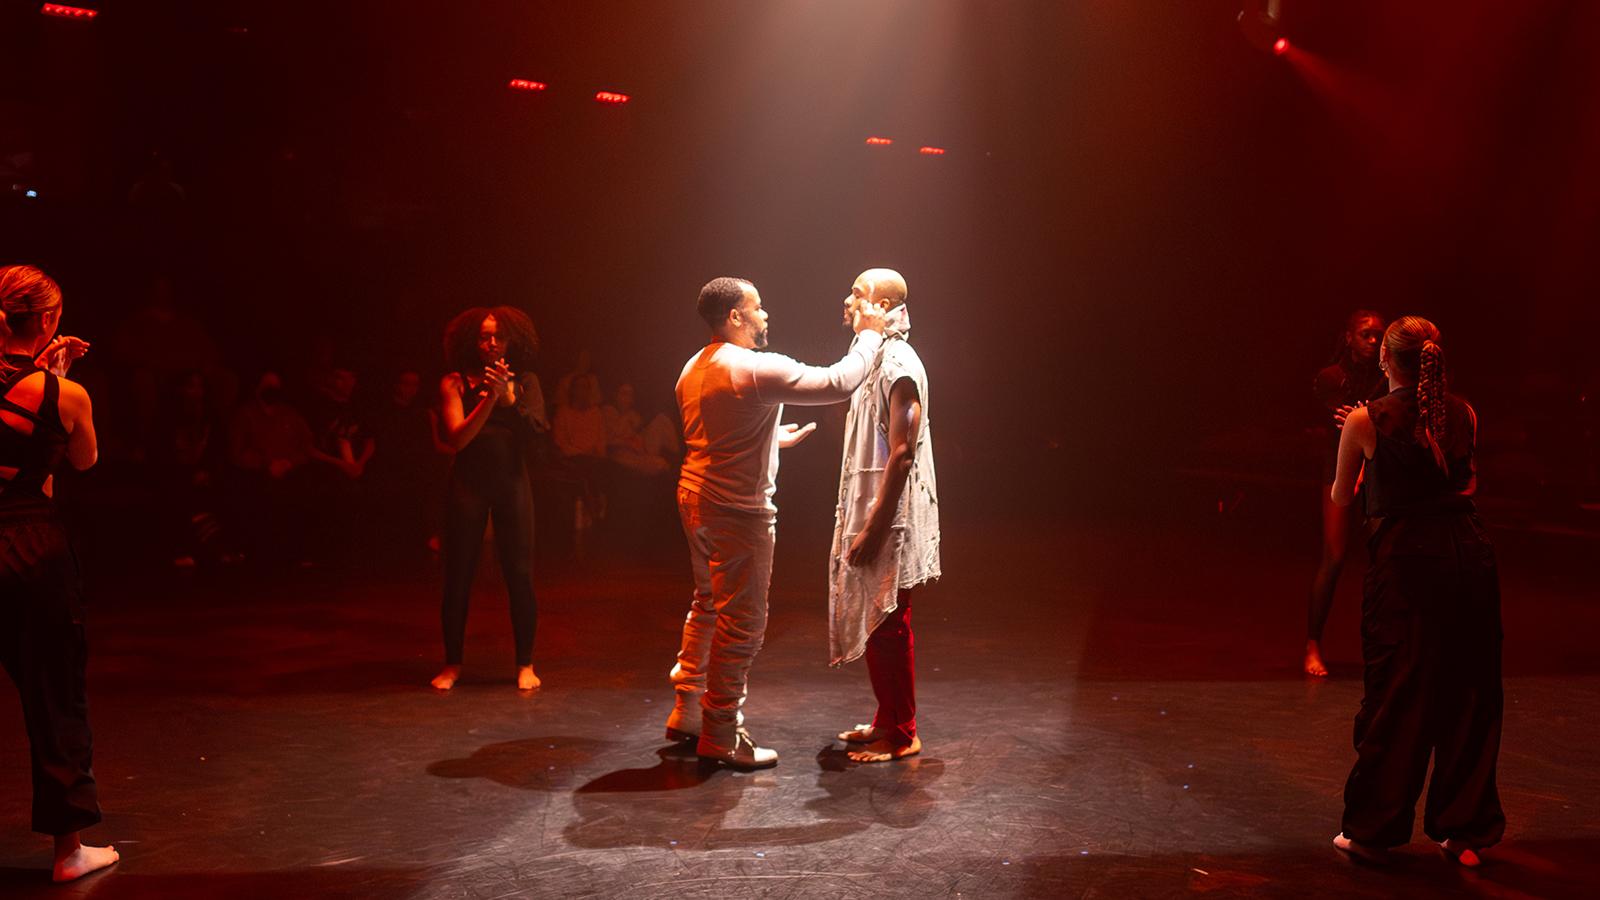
892, 668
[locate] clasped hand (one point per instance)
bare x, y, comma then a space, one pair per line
500, 380
60, 354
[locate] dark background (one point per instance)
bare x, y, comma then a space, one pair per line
1140, 245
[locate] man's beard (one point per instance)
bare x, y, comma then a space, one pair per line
761, 339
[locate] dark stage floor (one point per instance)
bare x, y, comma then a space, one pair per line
1109, 710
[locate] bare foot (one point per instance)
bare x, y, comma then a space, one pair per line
526, 680
446, 679
861, 734
1462, 854
81, 861
882, 751
1314, 665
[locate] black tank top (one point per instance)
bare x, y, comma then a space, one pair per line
500, 447
1402, 478
35, 456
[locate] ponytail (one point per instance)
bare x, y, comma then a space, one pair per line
1432, 419
1413, 346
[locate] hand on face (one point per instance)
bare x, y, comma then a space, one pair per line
868, 316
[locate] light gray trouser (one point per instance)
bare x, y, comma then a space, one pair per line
731, 553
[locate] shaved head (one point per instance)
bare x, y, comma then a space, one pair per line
884, 286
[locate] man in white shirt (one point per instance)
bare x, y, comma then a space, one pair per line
731, 397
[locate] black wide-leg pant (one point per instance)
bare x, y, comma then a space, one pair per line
1431, 637
43, 650
471, 500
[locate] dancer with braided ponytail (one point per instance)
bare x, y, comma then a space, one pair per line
45, 419
1430, 614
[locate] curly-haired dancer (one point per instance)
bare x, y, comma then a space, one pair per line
1430, 613
1351, 380
487, 412
43, 419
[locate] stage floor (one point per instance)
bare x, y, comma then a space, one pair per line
1109, 710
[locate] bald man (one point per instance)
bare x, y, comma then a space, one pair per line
886, 530
732, 395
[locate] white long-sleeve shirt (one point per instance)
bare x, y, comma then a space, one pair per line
731, 399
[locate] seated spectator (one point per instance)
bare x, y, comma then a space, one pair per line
580, 437
580, 426
188, 457
340, 451
338, 439
625, 436
580, 372
408, 468
269, 444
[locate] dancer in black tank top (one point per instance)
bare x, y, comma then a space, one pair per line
44, 418
1352, 379
1430, 614
488, 414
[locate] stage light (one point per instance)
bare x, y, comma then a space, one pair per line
68, 12
879, 141
31, 194
931, 151
523, 84
612, 97
1262, 24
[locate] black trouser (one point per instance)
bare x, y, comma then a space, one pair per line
1430, 623
471, 499
43, 650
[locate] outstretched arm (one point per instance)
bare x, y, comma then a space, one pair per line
779, 379
905, 423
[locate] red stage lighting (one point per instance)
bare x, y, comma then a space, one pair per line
612, 97
68, 12
523, 84
932, 151
879, 141
1280, 46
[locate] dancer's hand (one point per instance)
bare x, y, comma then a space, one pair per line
869, 316
500, 379
865, 548
790, 434
60, 354
1343, 412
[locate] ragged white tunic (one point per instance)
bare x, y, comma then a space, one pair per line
860, 597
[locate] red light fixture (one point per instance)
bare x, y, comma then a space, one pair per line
1280, 46
879, 141
523, 84
612, 97
68, 12
931, 151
